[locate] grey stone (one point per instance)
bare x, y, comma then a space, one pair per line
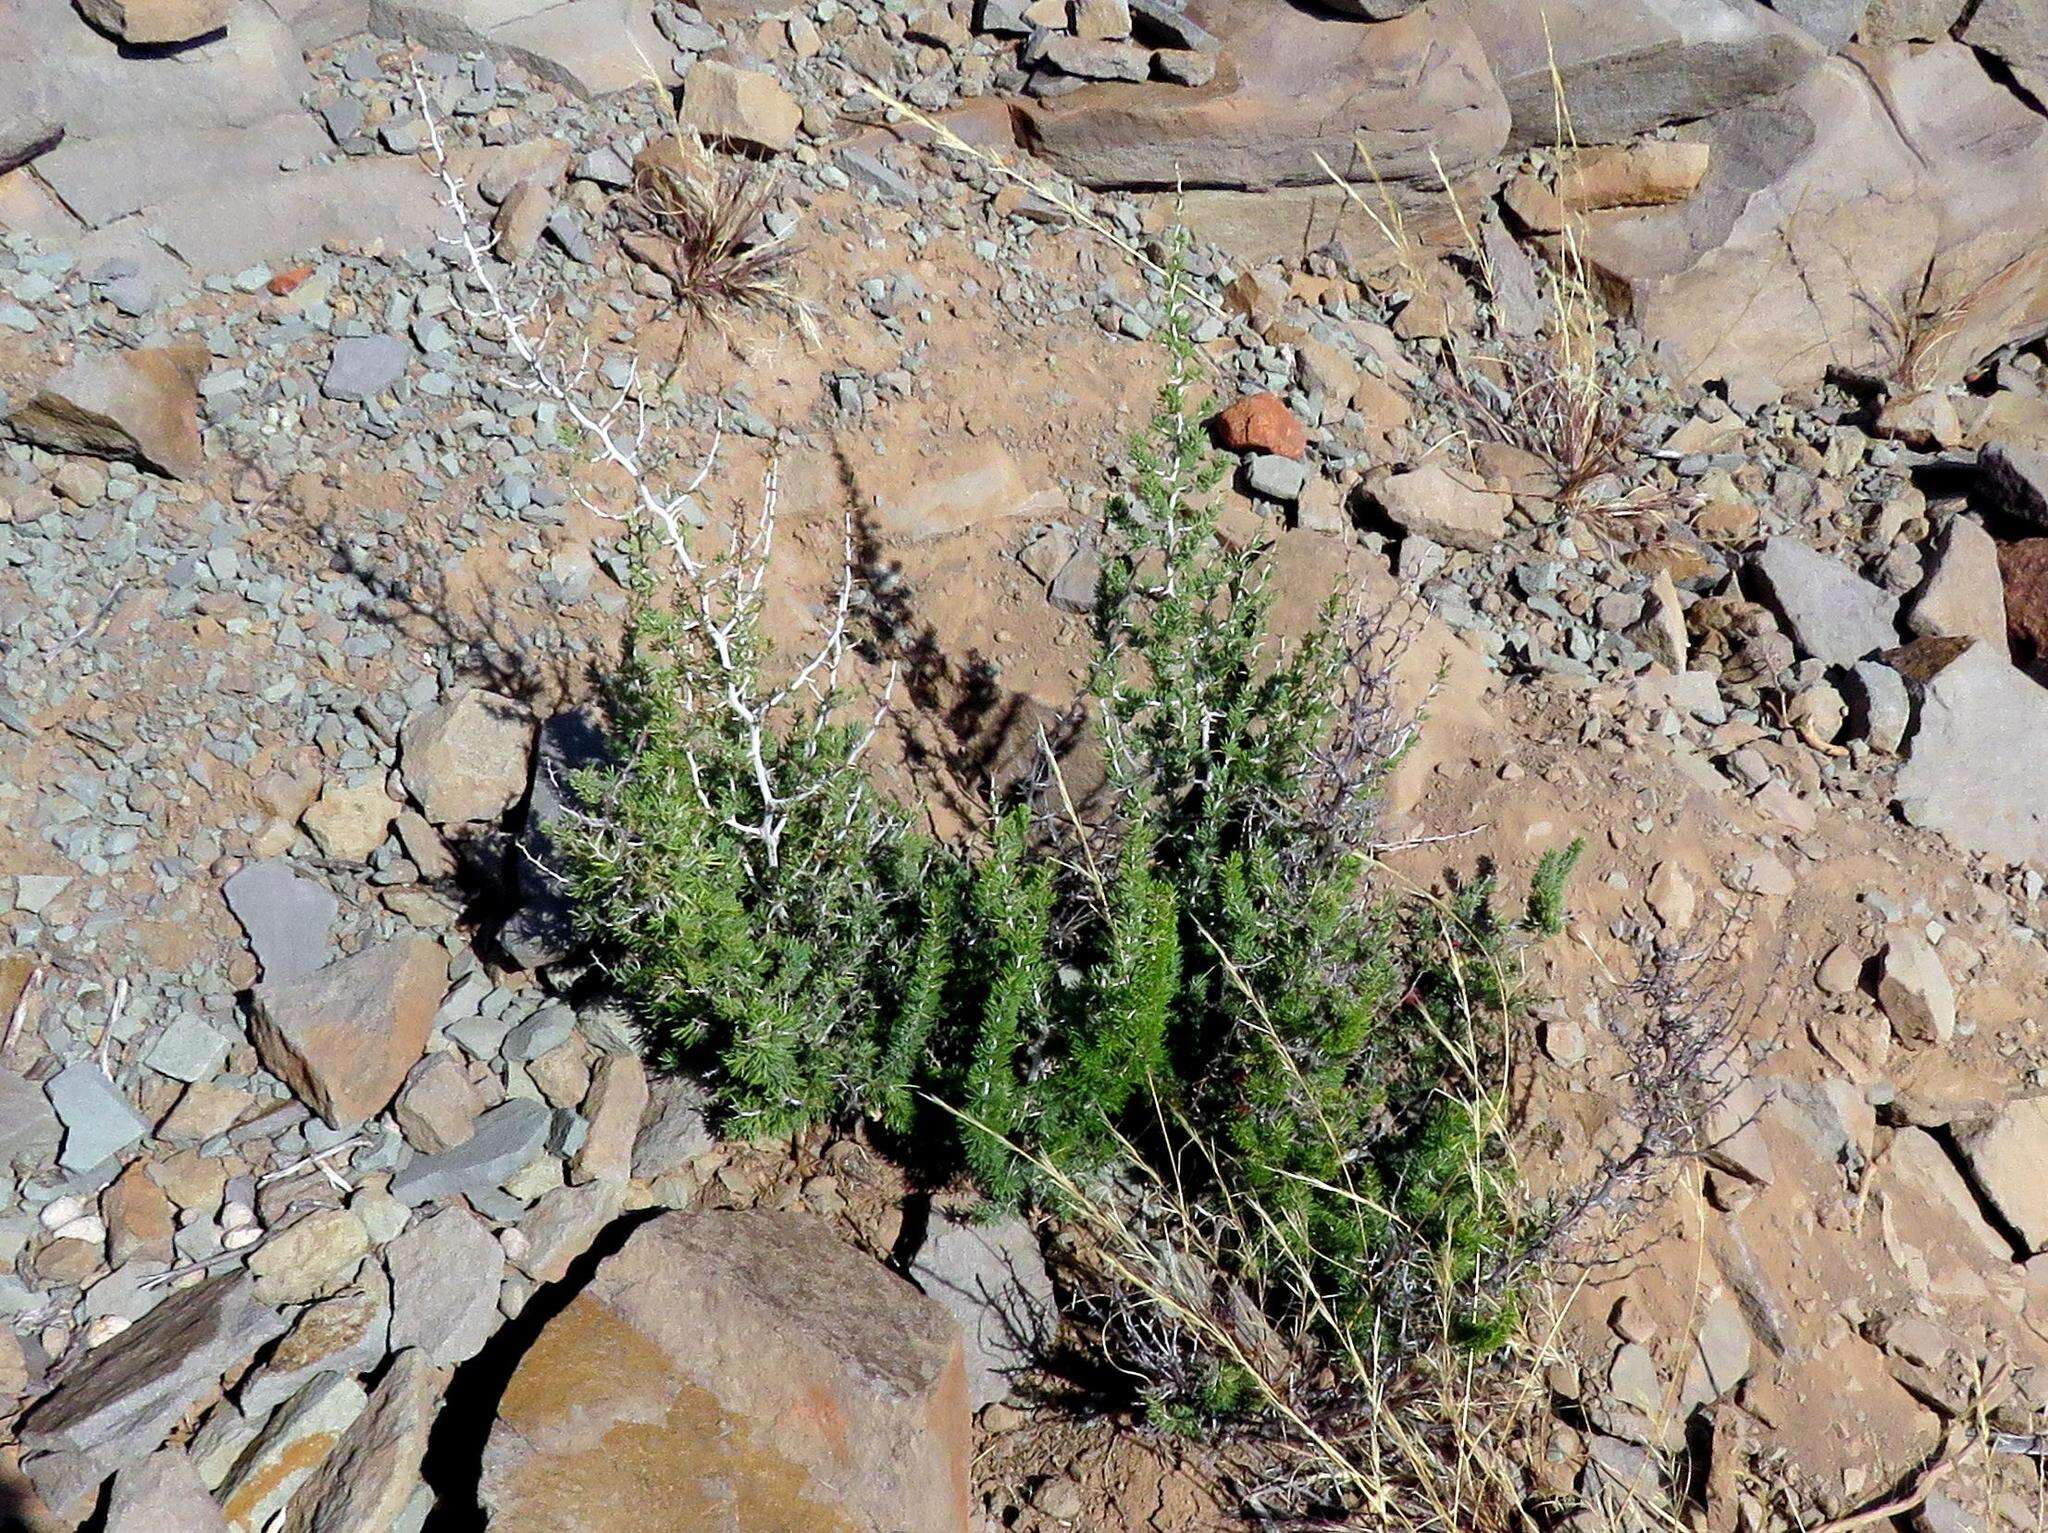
289, 919
188, 1049
1831, 612
1089, 60
1155, 21
1073, 589
1276, 477
98, 1121
1963, 594
507, 1139
1831, 22
992, 1279
2007, 1158
1914, 989
565, 1223
673, 1133
118, 1406
604, 165
1880, 708
364, 366
291, 1445
445, 1272
163, 1494
543, 929
1977, 770
546, 1029
1005, 18
29, 1130
1441, 504
370, 1477
1631, 65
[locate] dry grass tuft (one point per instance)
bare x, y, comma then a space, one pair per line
699, 220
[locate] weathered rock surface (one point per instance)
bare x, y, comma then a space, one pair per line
1914, 989
1297, 84
2007, 1158
467, 760
593, 47
288, 918
1977, 770
98, 1121
1963, 594
344, 1038
1886, 186
506, 1139
444, 1286
117, 1408
141, 404
289, 1449
1440, 503
739, 106
156, 21
756, 1369
1631, 65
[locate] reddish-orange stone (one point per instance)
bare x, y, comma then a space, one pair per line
1261, 423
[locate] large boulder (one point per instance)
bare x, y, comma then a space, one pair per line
1883, 216
1627, 66
1293, 83
756, 1371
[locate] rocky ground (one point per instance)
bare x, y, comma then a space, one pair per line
337, 1197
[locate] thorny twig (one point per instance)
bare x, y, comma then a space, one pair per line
723, 596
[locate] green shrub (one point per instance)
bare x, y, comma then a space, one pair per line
1203, 974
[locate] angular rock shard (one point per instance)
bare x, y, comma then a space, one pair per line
344, 1038
1977, 769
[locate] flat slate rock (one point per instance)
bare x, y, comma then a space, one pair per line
1832, 613
98, 1121
289, 919
506, 1140
117, 1407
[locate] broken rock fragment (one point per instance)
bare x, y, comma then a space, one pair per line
141, 405
344, 1038
739, 106
118, 1407
1914, 989
156, 21
466, 761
